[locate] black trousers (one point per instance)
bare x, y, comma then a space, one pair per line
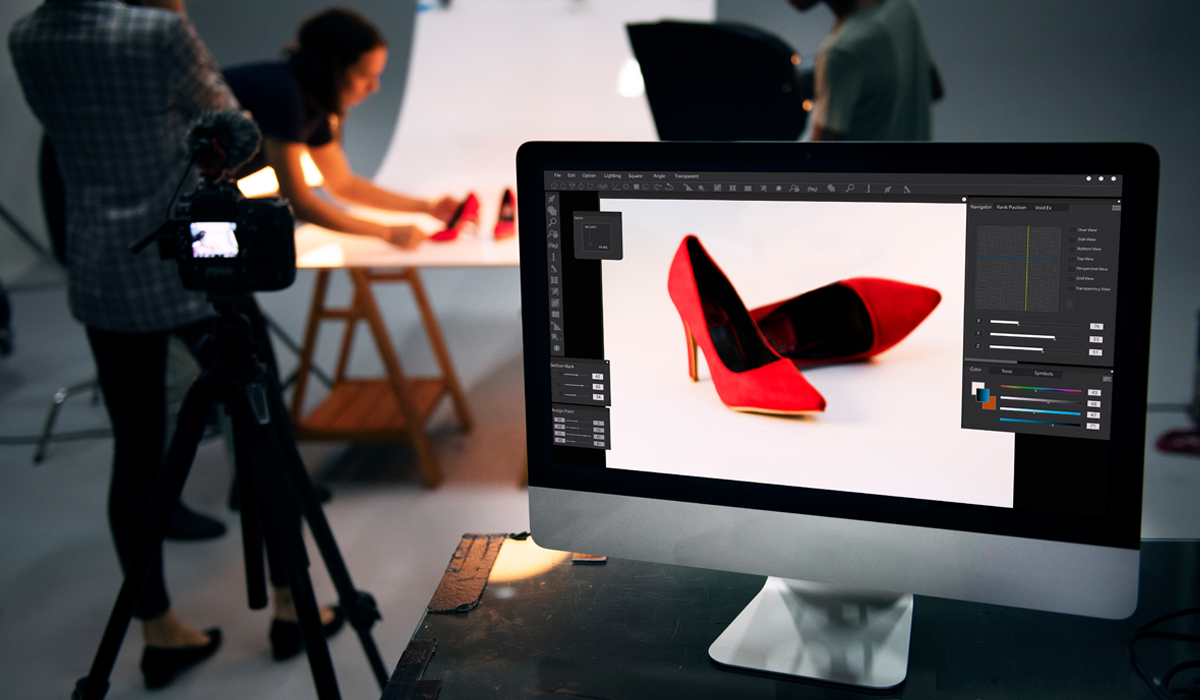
131, 370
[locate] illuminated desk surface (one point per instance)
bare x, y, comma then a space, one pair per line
394, 407
318, 247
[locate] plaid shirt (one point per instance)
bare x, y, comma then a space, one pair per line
116, 88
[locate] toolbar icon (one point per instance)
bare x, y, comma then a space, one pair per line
716, 188
552, 211
831, 188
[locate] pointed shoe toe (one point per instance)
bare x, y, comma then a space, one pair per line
160, 665
853, 319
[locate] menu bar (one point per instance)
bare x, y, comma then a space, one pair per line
740, 185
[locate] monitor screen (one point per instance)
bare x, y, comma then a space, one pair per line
943, 338
1003, 338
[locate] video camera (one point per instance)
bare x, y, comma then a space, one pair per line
223, 242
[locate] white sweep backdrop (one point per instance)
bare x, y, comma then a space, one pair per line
489, 75
891, 426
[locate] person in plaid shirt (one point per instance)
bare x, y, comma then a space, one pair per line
116, 88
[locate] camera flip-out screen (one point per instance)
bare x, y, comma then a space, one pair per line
214, 239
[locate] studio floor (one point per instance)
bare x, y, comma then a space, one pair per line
58, 569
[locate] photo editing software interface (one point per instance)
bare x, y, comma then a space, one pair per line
956, 329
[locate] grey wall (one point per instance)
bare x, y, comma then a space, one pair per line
802, 31
1054, 70
19, 137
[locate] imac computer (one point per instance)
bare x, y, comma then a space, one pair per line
864, 370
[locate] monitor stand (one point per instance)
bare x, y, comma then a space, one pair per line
813, 630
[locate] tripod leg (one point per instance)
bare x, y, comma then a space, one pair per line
252, 533
171, 478
262, 466
313, 631
360, 606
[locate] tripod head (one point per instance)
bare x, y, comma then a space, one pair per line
232, 346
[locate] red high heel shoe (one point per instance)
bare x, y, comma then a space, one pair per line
466, 215
505, 226
747, 373
849, 320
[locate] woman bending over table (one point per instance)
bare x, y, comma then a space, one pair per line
299, 105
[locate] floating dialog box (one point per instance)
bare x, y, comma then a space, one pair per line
597, 235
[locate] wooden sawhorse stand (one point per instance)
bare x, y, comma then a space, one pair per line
383, 409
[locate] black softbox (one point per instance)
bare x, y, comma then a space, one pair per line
720, 82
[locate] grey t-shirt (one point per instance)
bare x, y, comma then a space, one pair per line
873, 80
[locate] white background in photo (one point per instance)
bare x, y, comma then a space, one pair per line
892, 424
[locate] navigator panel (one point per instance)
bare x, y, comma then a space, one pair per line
1039, 317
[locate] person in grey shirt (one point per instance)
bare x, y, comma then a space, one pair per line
874, 78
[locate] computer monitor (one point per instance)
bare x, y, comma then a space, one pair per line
870, 370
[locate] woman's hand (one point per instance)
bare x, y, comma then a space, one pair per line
443, 208
404, 237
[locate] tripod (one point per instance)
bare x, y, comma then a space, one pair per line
275, 491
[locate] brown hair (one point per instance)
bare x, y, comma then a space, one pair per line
326, 45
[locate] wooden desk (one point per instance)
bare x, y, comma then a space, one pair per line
396, 406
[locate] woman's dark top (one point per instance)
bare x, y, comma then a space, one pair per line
273, 95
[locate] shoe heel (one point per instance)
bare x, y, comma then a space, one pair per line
693, 370
747, 374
